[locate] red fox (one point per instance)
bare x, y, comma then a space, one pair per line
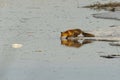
75, 33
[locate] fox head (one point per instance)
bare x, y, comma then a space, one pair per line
64, 34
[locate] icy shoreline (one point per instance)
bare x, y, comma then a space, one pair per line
111, 34
108, 15
113, 31
107, 32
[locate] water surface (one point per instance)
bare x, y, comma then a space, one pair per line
31, 48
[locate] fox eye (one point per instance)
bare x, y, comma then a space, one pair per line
61, 32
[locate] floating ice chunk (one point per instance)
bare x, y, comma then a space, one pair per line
17, 45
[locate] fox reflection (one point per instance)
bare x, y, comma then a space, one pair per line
74, 43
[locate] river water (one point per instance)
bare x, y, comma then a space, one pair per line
31, 48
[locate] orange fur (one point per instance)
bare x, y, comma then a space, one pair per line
74, 43
71, 43
75, 33
71, 33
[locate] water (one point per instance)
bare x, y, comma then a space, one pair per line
31, 48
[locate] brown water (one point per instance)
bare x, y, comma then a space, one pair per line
31, 48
